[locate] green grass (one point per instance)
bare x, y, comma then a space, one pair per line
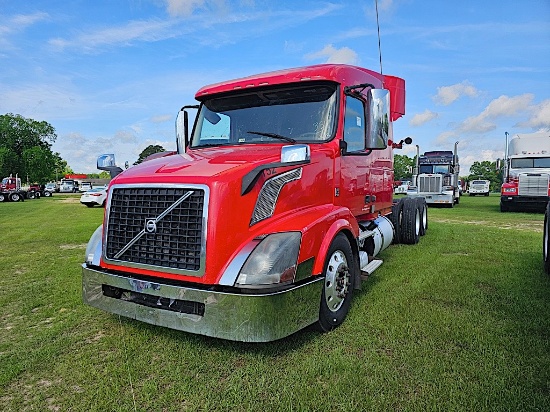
459, 322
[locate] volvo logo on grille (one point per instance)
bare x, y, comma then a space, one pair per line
150, 226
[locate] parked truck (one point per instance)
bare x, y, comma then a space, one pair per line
479, 187
526, 173
436, 178
11, 190
68, 186
268, 216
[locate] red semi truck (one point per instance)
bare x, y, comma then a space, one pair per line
268, 216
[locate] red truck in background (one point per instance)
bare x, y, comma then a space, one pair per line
526, 173
269, 214
12, 190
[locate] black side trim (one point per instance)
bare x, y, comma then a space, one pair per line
250, 179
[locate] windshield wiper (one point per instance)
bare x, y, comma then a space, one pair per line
273, 135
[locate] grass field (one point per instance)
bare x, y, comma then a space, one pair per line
459, 322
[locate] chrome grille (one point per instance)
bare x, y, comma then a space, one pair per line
430, 184
156, 227
533, 185
267, 199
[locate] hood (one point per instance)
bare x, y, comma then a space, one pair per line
201, 165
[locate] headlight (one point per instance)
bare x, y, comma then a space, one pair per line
272, 262
93, 249
509, 189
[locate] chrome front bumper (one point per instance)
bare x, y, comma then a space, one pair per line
240, 317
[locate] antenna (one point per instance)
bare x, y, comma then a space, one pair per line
378, 27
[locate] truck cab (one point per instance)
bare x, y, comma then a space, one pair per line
526, 174
264, 219
479, 187
436, 177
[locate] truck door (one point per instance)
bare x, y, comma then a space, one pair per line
354, 168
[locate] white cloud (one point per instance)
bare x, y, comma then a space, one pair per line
17, 24
445, 138
540, 117
448, 94
422, 118
162, 118
178, 8
146, 30
344, 55
500, 107
385, 5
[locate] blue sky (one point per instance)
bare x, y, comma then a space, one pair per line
111, 75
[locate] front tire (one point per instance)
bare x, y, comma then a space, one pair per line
47, 193
15, 197
339, 271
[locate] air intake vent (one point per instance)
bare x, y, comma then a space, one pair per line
430, 184
533, 185
265, 205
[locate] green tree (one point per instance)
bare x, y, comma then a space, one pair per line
148, 151
25, 148
403, 166
486, 170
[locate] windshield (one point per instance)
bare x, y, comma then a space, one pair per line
530, 162
441, 169
287, 114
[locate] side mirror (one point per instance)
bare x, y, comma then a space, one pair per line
182, 128
107, 162
378, 124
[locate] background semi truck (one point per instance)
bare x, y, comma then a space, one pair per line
435, 177
479, 187
526, 173
268, 215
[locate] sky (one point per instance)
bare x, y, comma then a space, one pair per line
111, 75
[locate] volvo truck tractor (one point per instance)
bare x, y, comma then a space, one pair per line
435, 177
269, 214
526, 173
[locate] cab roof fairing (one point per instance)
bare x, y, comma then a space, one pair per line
339, 73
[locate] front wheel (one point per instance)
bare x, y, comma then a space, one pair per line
47, 193
15, 197
337, 292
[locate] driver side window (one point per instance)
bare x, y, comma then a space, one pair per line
354, 125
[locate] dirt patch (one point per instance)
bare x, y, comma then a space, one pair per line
70, 200
528, 226
69, 247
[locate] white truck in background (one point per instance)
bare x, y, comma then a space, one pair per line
479, 187
526, 173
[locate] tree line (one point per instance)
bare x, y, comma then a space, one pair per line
26, 151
